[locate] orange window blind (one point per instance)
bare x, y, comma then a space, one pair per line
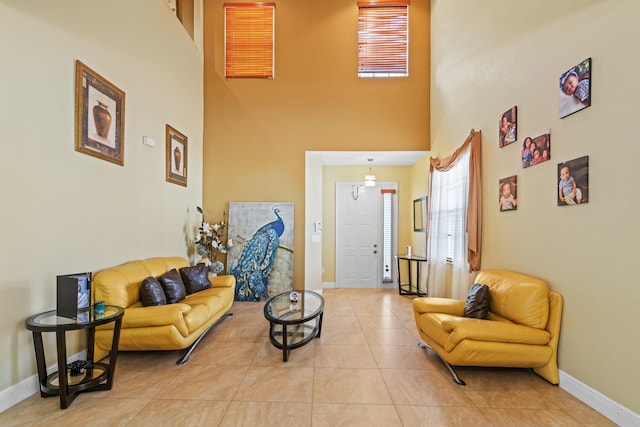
249, 36
383, 38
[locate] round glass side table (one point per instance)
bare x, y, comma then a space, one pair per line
78, 376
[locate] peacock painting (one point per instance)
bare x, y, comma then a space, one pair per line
261, 258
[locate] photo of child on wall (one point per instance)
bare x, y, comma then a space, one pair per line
536, 149
573, 182
575, 88
507, 196
507, 127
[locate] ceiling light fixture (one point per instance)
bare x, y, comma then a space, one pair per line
370, 180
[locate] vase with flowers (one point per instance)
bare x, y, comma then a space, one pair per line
210, 243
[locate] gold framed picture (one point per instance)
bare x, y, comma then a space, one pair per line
99, 116
177, 156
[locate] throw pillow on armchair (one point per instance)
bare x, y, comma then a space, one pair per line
477, 305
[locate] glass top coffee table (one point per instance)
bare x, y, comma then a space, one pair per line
292, 324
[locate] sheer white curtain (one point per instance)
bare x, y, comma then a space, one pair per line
447, 237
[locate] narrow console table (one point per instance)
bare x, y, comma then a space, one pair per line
409, 287
80, 375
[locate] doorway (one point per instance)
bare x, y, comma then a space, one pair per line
362, 258
314, 239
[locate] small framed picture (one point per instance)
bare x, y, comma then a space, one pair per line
507, 127
177, 156
575, 88
99, 116
536, 149
573, 182
73, 294
508, 194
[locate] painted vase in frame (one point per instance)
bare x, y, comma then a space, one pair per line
102, 119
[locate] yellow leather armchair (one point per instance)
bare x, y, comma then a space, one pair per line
165, 327
521, 330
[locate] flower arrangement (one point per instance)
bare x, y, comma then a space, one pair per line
209, 243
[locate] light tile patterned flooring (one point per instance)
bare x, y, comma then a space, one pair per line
365, 370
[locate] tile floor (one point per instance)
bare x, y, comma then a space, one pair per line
365, 370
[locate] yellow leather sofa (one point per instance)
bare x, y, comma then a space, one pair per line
521, 329
164, 327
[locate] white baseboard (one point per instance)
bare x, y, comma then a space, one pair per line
29, 386
332, 285
18, 392
617, 413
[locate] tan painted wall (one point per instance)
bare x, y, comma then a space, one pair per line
65, 212
419, 188
491, 55
257, 131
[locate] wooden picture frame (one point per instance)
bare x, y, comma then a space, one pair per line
177, 156
99, 116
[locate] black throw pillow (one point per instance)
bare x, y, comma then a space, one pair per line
151, 292
477, 305
173, 286
195, 278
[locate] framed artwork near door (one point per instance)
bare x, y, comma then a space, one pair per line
261, 258
420, 214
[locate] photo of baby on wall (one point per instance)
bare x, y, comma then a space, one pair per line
575, 88
507, 194
573, 182
536, 149
507, 127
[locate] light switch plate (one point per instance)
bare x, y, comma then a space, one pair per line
148, 141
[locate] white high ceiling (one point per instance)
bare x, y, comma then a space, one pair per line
361, 158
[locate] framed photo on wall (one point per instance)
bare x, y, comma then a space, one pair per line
573, 182
508, 193
99, 116
575, 88
177, 156
536, 148
508, 127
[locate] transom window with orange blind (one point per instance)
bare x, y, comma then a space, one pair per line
383, 38
249, 34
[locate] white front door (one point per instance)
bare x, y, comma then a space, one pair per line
357, 235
